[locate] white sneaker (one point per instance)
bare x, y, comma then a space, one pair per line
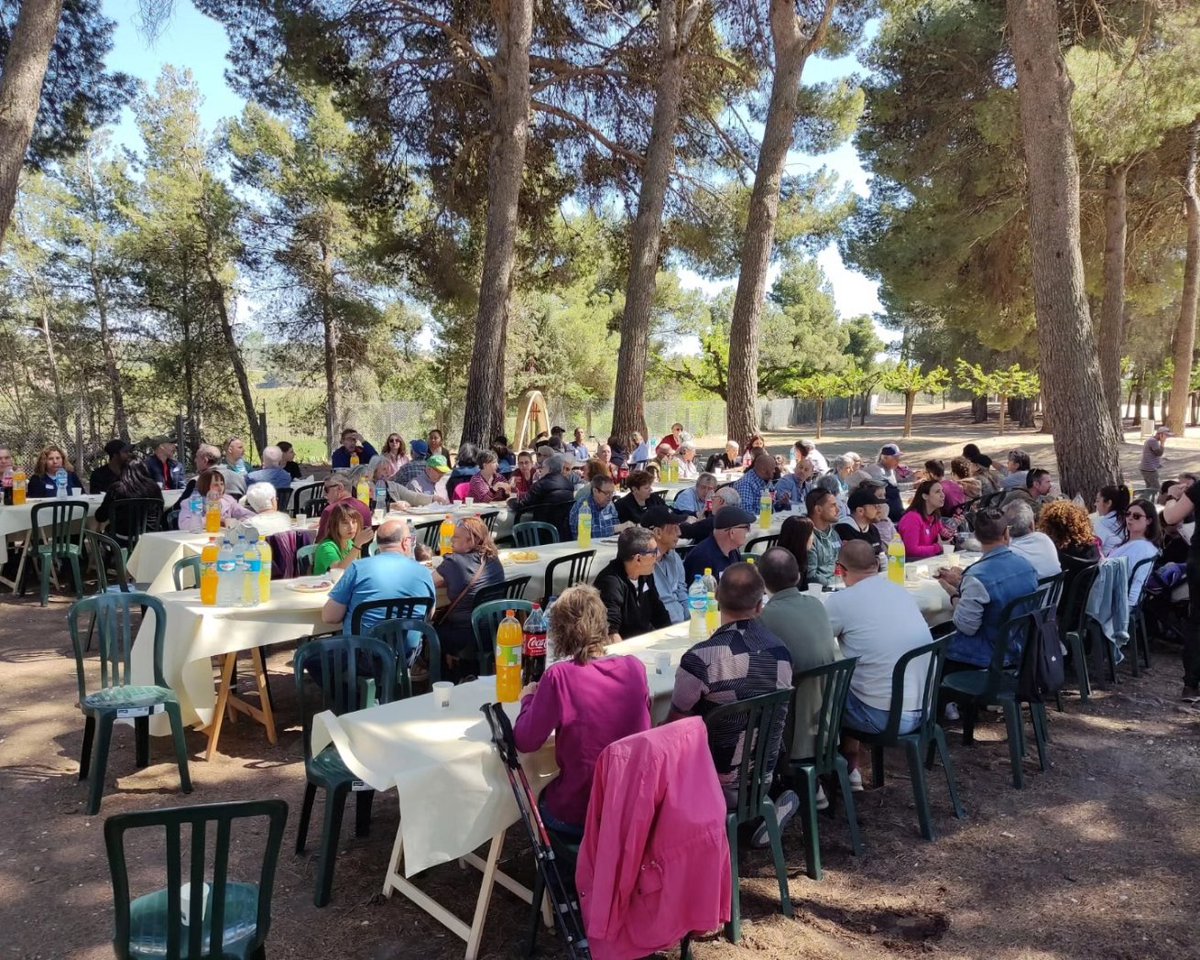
856, 781
822, 800
952, 711
785, 808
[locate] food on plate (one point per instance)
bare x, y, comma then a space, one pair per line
311, 586
520, 556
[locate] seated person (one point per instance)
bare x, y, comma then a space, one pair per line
586, 700
692, 500
800, 621
432, 480
641, 495
212, 483
1109, 520
352, 447
207, 457
552, 487
268, 519
823, 511
627, 587
119, 454
472, 565
488, 486
730, 459
793, 487
337, 489
1035, 547
669, 577
756, 480
1141, 523
289, 459
980, 593
921, 527
795, 536
697, 530
731, 530
391, 573
1018, 466
134, 484
864, 508
344, 538
599, 501
685, 461
163, 468
1034, 491
877, 621
49, 462
271, 471
742, 659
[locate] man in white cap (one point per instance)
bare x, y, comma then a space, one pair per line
1152, 456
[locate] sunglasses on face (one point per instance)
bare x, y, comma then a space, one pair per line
1136, 516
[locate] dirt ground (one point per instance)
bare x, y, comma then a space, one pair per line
1096, 858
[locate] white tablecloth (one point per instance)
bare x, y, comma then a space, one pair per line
433, 511
156, 554
16, 520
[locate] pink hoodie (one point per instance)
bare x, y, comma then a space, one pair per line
654, 864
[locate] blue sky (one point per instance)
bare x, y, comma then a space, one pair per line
194, 41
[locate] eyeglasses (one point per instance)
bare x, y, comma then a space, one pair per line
650, 553
1136, 516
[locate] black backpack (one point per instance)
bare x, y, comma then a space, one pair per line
1041, 675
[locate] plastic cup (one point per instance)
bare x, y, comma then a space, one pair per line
77, 491
815, 590
441, 693
662, 663
947, 549
469, 501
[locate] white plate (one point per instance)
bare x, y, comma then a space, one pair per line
319, 585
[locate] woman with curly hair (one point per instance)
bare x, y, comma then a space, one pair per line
49, 462
586, 699
1067, 524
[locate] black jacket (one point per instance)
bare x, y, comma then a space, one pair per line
554, 488
631, 610
628, 510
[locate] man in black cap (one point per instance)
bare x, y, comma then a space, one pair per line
865, 507
731, 530
627, 588
669, 578
105, 475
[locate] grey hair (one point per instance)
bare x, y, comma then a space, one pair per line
841, 462
260, 497
687, 445
339, 479
729, 496
272, 456
633, 541
707, 478
555, 463
1019, 516
486, 456
208, 450
829, 482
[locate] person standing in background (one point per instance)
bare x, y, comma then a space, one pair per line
1152, 456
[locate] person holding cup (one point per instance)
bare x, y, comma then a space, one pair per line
586, 700
487, 486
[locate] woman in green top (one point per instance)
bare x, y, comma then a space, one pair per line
340, 547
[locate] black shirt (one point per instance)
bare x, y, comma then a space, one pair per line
629, 511
719, 461
1193, 494
848, 530
633, 609
102, 478
293, 469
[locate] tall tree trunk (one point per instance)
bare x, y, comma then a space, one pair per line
25, 65
60, 406
332, 331
1151, 398
863, 408
1111, 334
792, 49
219, 297
1003, 412
909, 400
509, 77
1086, 453
820, 415
676, 21
1185, 329
1137, 403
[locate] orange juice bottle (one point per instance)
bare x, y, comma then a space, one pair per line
208, 573
212, 516
446, 536
509, 641
20, 487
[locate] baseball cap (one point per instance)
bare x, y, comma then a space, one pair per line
420, 449
659, 515
861, 498
889, 450
438, 463
732, 517
1163, 428
113, 447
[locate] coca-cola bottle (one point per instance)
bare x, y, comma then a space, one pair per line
533, 656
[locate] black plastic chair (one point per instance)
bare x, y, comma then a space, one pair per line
826, 759
997, 685
131, 518
1073, 622
534, 533
579, 568
489, 520
429, 533
394, 608
395, 633
761, 721
765, 542
353, 673
512, 589
238, 915
558, 515
1139, 639
308, 500
918, 744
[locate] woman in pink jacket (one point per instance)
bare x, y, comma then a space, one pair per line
921, 527
587, 700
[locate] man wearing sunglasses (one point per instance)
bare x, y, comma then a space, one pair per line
627, 587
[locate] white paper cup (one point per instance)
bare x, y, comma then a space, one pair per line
815, 590
185, 902
469, 501
441, 693
662, 663
947, 549
77, 491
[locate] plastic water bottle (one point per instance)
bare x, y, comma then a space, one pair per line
251, 569
697, 610
196, 504
381, 495
895, 554
60, 483
585, 526
229, 590
239, 556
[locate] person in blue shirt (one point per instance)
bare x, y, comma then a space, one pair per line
600, 502
579, 447
669, 578
271, 471
352, 444
756, 480
49, 462
793, 487
692, 501
731, 530
391, 573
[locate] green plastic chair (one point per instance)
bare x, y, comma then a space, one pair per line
1073, 624
1139, 639
826, 759
512, 589
395, 633
927, 737
762, 719
236, 915
112, 614
106, 552
534, 533
56, 535
996, 685
579, 570
304, 559
352, 673
485, 618
184, 565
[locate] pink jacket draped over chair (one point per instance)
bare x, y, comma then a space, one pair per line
654, 864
